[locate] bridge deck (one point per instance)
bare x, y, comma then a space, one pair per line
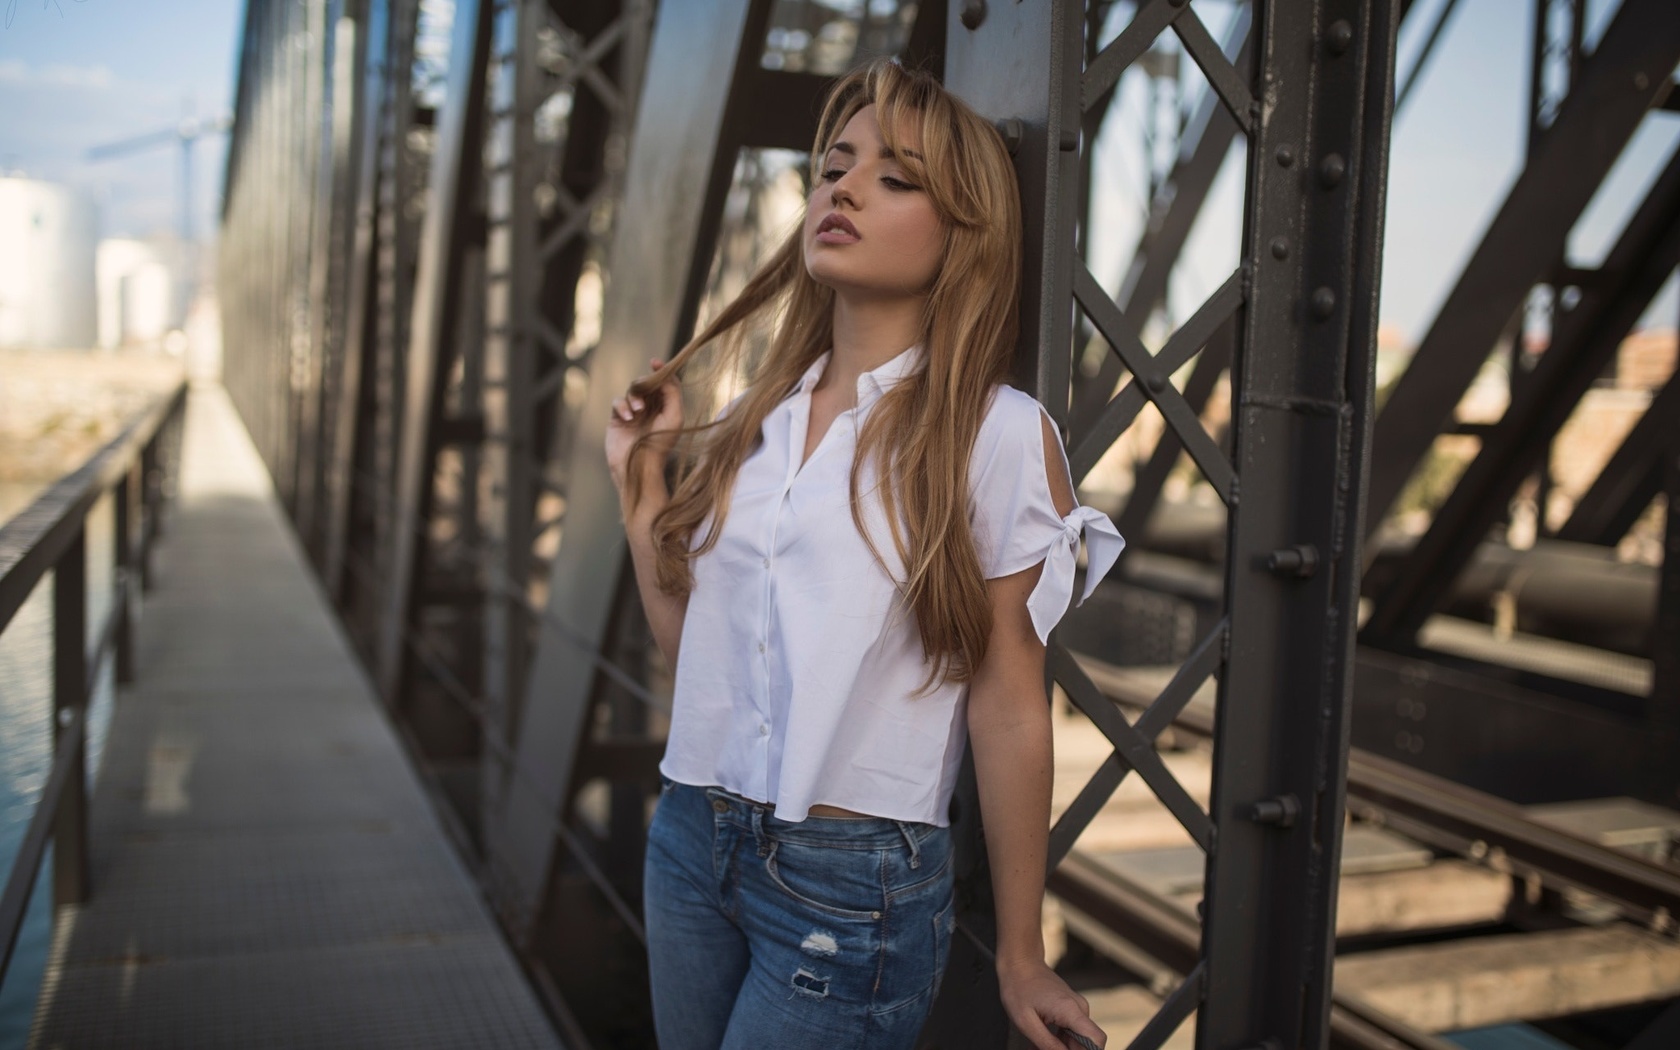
266, 869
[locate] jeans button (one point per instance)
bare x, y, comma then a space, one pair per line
720, 806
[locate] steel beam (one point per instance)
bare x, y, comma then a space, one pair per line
1619, 83
1663, 706
367, 103
1584, 342
1301, 396
697, 53
1632, 477
437, 300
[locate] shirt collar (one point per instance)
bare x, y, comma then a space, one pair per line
871, 384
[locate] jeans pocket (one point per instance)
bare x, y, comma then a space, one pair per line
839, 882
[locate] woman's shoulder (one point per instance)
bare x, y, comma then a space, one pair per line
1012, 417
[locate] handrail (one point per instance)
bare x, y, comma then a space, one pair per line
50, 535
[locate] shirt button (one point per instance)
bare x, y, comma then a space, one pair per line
761, 647
766, 563
763, 730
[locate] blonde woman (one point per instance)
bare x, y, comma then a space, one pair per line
853, 578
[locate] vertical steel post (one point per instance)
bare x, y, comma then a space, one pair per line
70, 689
1301, 396
125, 581
437, 300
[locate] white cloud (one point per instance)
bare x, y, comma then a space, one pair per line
96, 77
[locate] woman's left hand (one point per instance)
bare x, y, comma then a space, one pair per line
1035, 997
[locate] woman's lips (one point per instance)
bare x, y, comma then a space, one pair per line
837, 229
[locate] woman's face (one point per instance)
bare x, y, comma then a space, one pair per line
869, 228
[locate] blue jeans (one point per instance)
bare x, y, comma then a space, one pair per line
830, 933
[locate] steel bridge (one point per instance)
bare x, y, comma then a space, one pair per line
1332, 710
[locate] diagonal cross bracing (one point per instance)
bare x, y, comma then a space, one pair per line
1620, 82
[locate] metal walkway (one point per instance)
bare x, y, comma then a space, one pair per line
266, 869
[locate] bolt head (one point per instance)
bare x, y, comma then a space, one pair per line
1285, 156
1323, 303
1340, 36
1332, 170
1280, 248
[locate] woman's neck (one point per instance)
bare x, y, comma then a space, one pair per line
868, 334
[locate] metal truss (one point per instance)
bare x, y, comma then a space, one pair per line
409, 278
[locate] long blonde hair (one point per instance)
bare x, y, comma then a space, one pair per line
922, 431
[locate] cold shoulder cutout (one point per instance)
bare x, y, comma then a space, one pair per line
1015, 515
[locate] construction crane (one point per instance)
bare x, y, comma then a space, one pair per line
187, 132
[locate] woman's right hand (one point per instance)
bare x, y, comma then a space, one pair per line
632, 419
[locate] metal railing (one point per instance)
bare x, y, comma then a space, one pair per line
50, 536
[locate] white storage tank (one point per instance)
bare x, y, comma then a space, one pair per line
137, 292
47, 237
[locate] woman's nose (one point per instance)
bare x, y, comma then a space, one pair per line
844, 189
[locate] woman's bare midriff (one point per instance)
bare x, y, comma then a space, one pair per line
821, 810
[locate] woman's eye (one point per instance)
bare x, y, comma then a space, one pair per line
833, 173
896, 183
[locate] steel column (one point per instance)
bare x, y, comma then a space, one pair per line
1302, 393
367, 103
449, 226
70, 700
697, 53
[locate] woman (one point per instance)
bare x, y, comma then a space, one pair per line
853, 578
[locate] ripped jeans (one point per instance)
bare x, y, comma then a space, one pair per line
829, 934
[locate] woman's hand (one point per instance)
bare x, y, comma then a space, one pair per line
632, 419
1034, 997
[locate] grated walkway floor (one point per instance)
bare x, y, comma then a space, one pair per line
266, 869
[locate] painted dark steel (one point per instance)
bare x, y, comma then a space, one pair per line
437, 302
1625, 76
1631, 478
372, 41
1302, 395
694, 53
1584, 342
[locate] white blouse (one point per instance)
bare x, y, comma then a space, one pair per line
799, 662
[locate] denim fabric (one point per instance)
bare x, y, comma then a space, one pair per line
830, 933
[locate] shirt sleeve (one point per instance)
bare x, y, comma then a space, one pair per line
1014, 516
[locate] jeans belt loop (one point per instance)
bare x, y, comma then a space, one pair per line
758, 831
910, 840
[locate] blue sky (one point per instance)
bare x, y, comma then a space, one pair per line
78, 73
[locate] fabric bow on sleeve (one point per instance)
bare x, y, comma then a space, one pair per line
1049, 600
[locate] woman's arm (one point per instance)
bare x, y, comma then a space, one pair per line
1009, 731
641, 503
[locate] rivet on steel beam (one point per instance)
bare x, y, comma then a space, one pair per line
1280, 248
1323, 303
1011, 129
1299, 560
1341, 35
1156, 383
973, 13
1641, 81
1331, 170
1285, 156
